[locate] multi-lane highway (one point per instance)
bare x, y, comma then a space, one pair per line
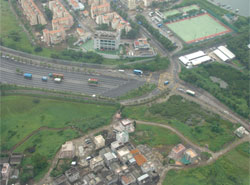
74, 82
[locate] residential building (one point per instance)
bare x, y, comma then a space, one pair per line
124, 155
141, 43
32, 12
91, 179
106, 40
76, 5
190, 155
122, 137
96, 161
101, 8
72, 174
61, 17
177, 151
144, 179
4, 160
115, 20
127, 125
116, 145
86, 13
128, 179
147, 167
54, 36
67, 150
5, 171
61, 180
241, 131
147, 3
14, 174
130, 4
99, 141
16, 158
140, 159
109, 158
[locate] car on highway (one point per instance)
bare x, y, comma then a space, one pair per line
166, 82
50, 75
44, 79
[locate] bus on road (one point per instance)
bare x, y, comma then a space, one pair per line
93, 81
189, 92
138, 72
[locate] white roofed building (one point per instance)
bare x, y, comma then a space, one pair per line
122, 137
99, 141
67, 150
227, 52
221, 55
127, 125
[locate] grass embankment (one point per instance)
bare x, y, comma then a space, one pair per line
236, 95
154, 65
230, 169
142, 90
20, 115
199, 125
155, 137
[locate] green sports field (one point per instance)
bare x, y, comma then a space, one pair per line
198, 28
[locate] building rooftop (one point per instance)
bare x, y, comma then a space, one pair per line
178, 148
68, 146
191, 152
109, 156
135, 151
99, 139
123, 151
140, 159
126, 122
128, 179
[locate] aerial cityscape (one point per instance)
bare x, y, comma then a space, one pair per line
125, 92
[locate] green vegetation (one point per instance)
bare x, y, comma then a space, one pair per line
236, 95
196, 28
40, 145
142, 90
20, 115
238, 45
154, 65
201, 126
166, 43
230, 169
61, 166
154, 136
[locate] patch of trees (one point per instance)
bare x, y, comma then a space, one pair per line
123, 14
48, 13
166, 43
133, 33
14, 35
89, 57
236, 95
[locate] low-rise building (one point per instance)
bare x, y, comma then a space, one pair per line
72, 174
141, 44
130, 4
109, 158
127, 125
16, 158
61, 180
106, 40
144, 179
116, 145
99, 141
122, 137
96, 161
190, 155
67, 150
177, 152
128, 179
5, 171
147, 167
76, 5
53, 36
241, 131
14, 174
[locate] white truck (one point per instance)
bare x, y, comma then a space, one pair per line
57, 80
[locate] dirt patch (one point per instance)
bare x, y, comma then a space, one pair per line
222, 83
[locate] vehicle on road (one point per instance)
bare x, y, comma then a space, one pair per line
57, 80
93, 81
138, 72
121, 70
27, 75
180, 89
166, 82
57, 75
159, 25
50, 75
44, 79
189, 92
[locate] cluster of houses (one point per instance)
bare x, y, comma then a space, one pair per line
108, 158
9, 168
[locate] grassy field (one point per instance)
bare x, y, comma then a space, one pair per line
199, 125
236, 95
41, 143
171, 12
155, 137
9, 26
20, 115
146, 88
188, 8
230, 169
177, 11
197, 28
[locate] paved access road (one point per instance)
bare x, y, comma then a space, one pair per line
73, 82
